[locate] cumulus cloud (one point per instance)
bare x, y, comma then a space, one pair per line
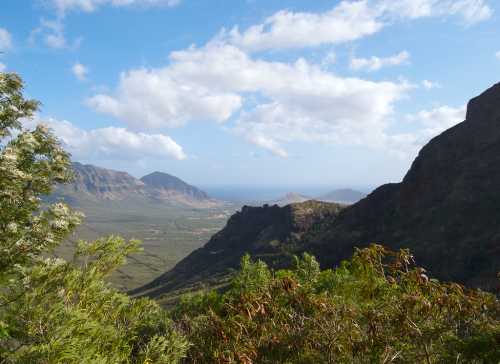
300, 101
348, 21
88, 6
275, 103
80, 71
5, 40
3, 67
110, 143
376, 63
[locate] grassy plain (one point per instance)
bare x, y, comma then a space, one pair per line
168, 233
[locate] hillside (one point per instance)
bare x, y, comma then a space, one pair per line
269, 233
93, 183
100, 183
445, 210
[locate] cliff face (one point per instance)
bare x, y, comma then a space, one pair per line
446, 209
103, 183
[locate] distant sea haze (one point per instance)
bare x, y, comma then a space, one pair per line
262, 193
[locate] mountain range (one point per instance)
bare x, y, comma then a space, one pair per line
100, 184
446, 211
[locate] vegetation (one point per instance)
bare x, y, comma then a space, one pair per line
377, 307
53, 311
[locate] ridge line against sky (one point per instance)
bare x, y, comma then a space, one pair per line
337, 90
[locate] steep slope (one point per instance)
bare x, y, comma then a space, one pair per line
269, 233
163, 186
345, 195
101, 183
93, 183
446, 210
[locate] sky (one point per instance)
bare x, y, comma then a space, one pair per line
269, 93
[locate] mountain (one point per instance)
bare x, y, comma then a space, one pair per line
268, 233
446, 211
289, 198
165, 186
100, 184
345, 195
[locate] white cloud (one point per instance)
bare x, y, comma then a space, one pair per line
376, 63
300, 101
111, 143
497, 54
430, 84
277, 103
88, 6
5, 40
3, 67
80, 71
348, 21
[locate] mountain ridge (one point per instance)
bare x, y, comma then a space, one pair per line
102, 184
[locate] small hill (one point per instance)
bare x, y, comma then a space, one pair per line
289, 198
345, 195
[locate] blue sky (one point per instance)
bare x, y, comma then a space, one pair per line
252, 92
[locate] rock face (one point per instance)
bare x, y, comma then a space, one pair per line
103, 183
269, 233
446, 210
95, 183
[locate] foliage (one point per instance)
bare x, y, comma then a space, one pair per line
51, 310
375, 308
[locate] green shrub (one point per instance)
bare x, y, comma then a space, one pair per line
375, 308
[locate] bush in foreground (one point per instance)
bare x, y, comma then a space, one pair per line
53, 311
375, 308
